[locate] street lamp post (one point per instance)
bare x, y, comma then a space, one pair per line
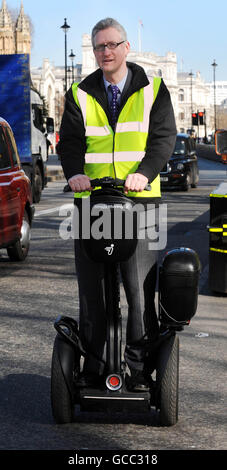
65, 28
68, 72
72, 56
214, 65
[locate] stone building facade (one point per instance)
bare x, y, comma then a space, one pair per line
193, 97
189, 92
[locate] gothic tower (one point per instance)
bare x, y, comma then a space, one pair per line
7, 41
15, 36
22, 33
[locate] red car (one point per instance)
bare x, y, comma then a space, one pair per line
16, 208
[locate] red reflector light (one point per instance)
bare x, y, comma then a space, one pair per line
114, 381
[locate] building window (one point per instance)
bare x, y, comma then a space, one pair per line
181, 95
181, 116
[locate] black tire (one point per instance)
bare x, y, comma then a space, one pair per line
62, 402
167, 380
19, 250
37, 185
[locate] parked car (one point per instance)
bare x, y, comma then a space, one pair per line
182, 169
16, 208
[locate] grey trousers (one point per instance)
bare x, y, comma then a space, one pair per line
138, 276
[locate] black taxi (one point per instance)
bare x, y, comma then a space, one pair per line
181, 171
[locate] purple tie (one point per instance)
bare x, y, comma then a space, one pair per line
113, 105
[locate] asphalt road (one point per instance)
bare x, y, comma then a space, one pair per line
35, 292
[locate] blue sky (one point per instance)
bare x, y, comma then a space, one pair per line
195, 30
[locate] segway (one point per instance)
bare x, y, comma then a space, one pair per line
178, 293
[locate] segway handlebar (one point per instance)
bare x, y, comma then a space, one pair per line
107, 182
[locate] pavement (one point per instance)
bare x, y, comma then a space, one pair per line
55, 172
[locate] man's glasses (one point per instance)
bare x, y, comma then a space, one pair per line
109, 45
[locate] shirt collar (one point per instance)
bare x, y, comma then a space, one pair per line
120, 85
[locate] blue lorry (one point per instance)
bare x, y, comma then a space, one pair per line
22, 106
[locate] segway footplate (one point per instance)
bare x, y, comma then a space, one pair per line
106, 400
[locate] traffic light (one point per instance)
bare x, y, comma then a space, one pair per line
195, 119
201, 117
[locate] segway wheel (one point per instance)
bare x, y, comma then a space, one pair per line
61, 396
167, 380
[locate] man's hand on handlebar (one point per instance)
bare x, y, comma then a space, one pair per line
135, 182
79, 183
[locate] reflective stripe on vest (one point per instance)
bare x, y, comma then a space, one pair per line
117, 153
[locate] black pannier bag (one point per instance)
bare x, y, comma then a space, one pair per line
178, 287
113, 227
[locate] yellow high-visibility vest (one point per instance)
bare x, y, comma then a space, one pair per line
118, 153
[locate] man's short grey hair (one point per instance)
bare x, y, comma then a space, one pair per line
108, 23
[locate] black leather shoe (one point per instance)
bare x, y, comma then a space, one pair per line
138, 381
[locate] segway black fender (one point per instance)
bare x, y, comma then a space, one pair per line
67, 359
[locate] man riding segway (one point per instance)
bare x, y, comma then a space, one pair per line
117, 123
